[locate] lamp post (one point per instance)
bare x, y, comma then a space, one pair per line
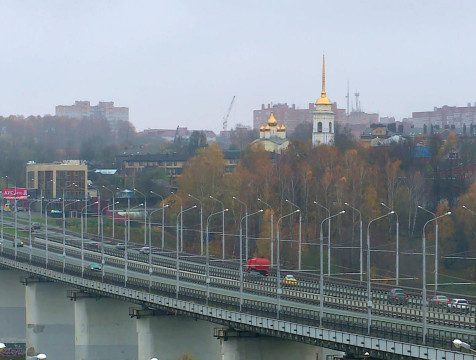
278, 266
177, 252
241, 254
424, 275
113, 209
150, 244
299, 242
207, 267
29, 226
223, 227
461, 344
64, 232
145, 215
181, 221
201, 222
471, 211
82, 235
436, 245
16, 222
369, 296
361, 248
321, 267
272, 230
397, 261
328, 239
103, 261
128, 238
46, 231
3, 205
163, 218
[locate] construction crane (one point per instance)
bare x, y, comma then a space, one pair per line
225, 118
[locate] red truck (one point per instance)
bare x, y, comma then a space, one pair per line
258, 265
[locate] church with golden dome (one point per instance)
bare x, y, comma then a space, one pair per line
272, 137
323, 116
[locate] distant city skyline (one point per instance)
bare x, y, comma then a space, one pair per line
180, 64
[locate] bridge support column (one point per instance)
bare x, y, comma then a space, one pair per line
12, 308
49, 320
104, 330
239, 345
168, 337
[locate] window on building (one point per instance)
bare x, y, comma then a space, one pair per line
330, 126
319, 127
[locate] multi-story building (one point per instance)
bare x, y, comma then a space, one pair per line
66, 179
103, 110
446, 117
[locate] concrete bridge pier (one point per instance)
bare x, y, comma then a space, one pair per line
168, 337
239, 345
49, 320
12, 308
103, 328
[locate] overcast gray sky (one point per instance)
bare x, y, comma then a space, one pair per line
181, 62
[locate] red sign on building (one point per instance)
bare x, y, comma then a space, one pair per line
15, 193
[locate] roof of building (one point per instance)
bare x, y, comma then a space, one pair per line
272, 120
323, 100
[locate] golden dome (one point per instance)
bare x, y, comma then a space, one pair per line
283, 128
323, 100
267, 127
262, 127
272, 119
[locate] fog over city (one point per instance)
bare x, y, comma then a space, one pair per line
180, 63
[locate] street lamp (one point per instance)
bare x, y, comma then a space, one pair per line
82, 236
461, 344
64, 232
29, 225
145, 215
181, 221
321, 267
207, 279
369, 296
177, 262
471, 211
424, 274
46, 231
272, 230
361, 247
299, 243
278, 266
223, 227
328, 239
436, 245
163, 218
128, 238
241, 254
201, 222
397, 261
150, 244
113, 208
103, 261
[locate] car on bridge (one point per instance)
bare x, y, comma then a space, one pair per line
121, 246
397, 297
35, 226
439, 301
95, 266
20, 243
459, 305
290, 280
144, 250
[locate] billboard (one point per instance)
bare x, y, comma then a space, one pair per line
15, 193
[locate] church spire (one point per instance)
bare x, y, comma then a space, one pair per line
323, 100
323, 92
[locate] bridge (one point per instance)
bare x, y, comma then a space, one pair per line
138, 305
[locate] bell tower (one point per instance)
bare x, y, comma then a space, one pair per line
323, 116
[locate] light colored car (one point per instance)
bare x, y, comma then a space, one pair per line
121, 246
459, 305
144, 250
290, 280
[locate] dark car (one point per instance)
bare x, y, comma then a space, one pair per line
397, 297
35, 226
